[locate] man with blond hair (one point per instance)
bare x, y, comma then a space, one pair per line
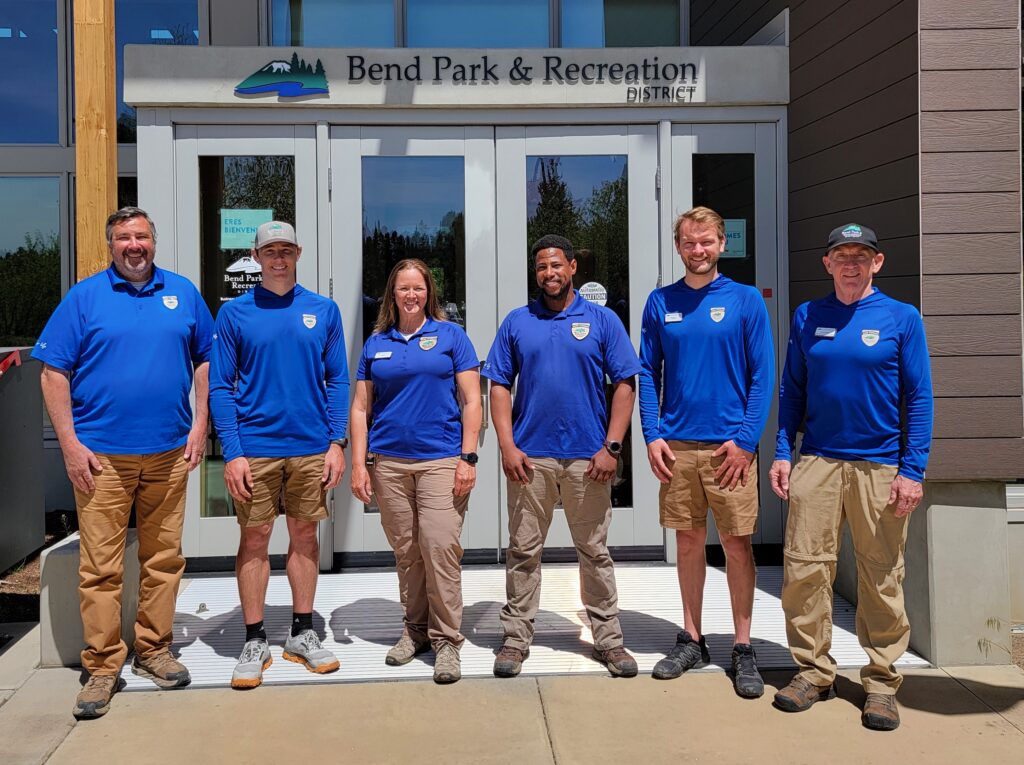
707, 377
858, 376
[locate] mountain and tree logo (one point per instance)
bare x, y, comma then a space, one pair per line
287, 78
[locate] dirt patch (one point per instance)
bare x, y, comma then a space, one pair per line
19, 585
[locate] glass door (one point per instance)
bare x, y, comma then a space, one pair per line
732, 169
598, 188
424, 193
229, 180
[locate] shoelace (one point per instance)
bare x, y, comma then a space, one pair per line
745, 663
252, 651
309, 640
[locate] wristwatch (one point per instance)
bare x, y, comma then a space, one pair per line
614, 447
470, 457
342, 442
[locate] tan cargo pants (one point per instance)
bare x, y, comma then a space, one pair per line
823, 493
155, 483
589, 512
422, 520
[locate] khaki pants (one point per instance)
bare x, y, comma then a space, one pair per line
588, 511
823, 493
155, 483
422, 520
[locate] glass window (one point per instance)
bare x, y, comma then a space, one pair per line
151, 22
29, 257
477, 24
619, 23
414, 207
235, 195
349, 23
585, 199
28, 60
725, 183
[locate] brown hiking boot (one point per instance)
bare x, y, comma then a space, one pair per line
880, 712
801, 695
94, 698
447, 666
163, 669
618, 661
509, 661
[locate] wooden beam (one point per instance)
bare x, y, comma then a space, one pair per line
95, 132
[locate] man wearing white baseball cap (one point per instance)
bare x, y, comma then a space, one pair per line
855, 359
279, 398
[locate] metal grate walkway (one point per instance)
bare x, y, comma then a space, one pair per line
359, 616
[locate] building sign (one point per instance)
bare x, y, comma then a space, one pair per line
735, 238
238, 227
454, 78
594, 292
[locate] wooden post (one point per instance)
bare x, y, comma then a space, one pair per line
95, 132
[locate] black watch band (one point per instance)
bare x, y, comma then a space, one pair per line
342, 442
471, 457
613, 447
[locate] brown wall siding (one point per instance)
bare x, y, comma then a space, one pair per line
970, 91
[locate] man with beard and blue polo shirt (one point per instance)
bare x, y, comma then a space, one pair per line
858, 377
557, 439
705, 391
119, 357
279, 399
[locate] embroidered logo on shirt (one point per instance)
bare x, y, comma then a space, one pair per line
672, 318
869, 336
829, 332
580, 330
171, 301
717, 314
426, 343
382, 355
309, 320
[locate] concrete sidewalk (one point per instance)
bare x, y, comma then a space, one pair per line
951, 715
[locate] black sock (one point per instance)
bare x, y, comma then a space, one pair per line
255, 632
301, 622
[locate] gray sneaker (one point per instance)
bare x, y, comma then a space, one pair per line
404, 650
686, 654
254, 659
447, 666
305, 648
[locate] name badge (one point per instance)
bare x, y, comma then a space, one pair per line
382, 355
672, 318
829, 332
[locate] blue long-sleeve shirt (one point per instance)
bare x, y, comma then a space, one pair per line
278, 374
707, 364
848, 368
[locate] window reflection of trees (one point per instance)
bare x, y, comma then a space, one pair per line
29, 288
442, 247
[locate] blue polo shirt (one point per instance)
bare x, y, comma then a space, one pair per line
415, 405
278, 374
849, 368
559, 362
131, 354
708, 364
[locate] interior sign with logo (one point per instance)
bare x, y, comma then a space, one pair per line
238, 233
735, 238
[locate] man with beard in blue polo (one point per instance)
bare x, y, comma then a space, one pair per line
557, 439
119, 356
279, 399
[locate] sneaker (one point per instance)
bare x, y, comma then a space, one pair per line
745, 678
618, 661
94, 698
305, 648
447, 666
686, 654
880, 712
404, 650
254, 660
801, 695
163, 669
509, 661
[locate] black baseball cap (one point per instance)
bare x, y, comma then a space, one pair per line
852, 233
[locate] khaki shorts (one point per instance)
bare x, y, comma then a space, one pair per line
300, 481
684, 501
